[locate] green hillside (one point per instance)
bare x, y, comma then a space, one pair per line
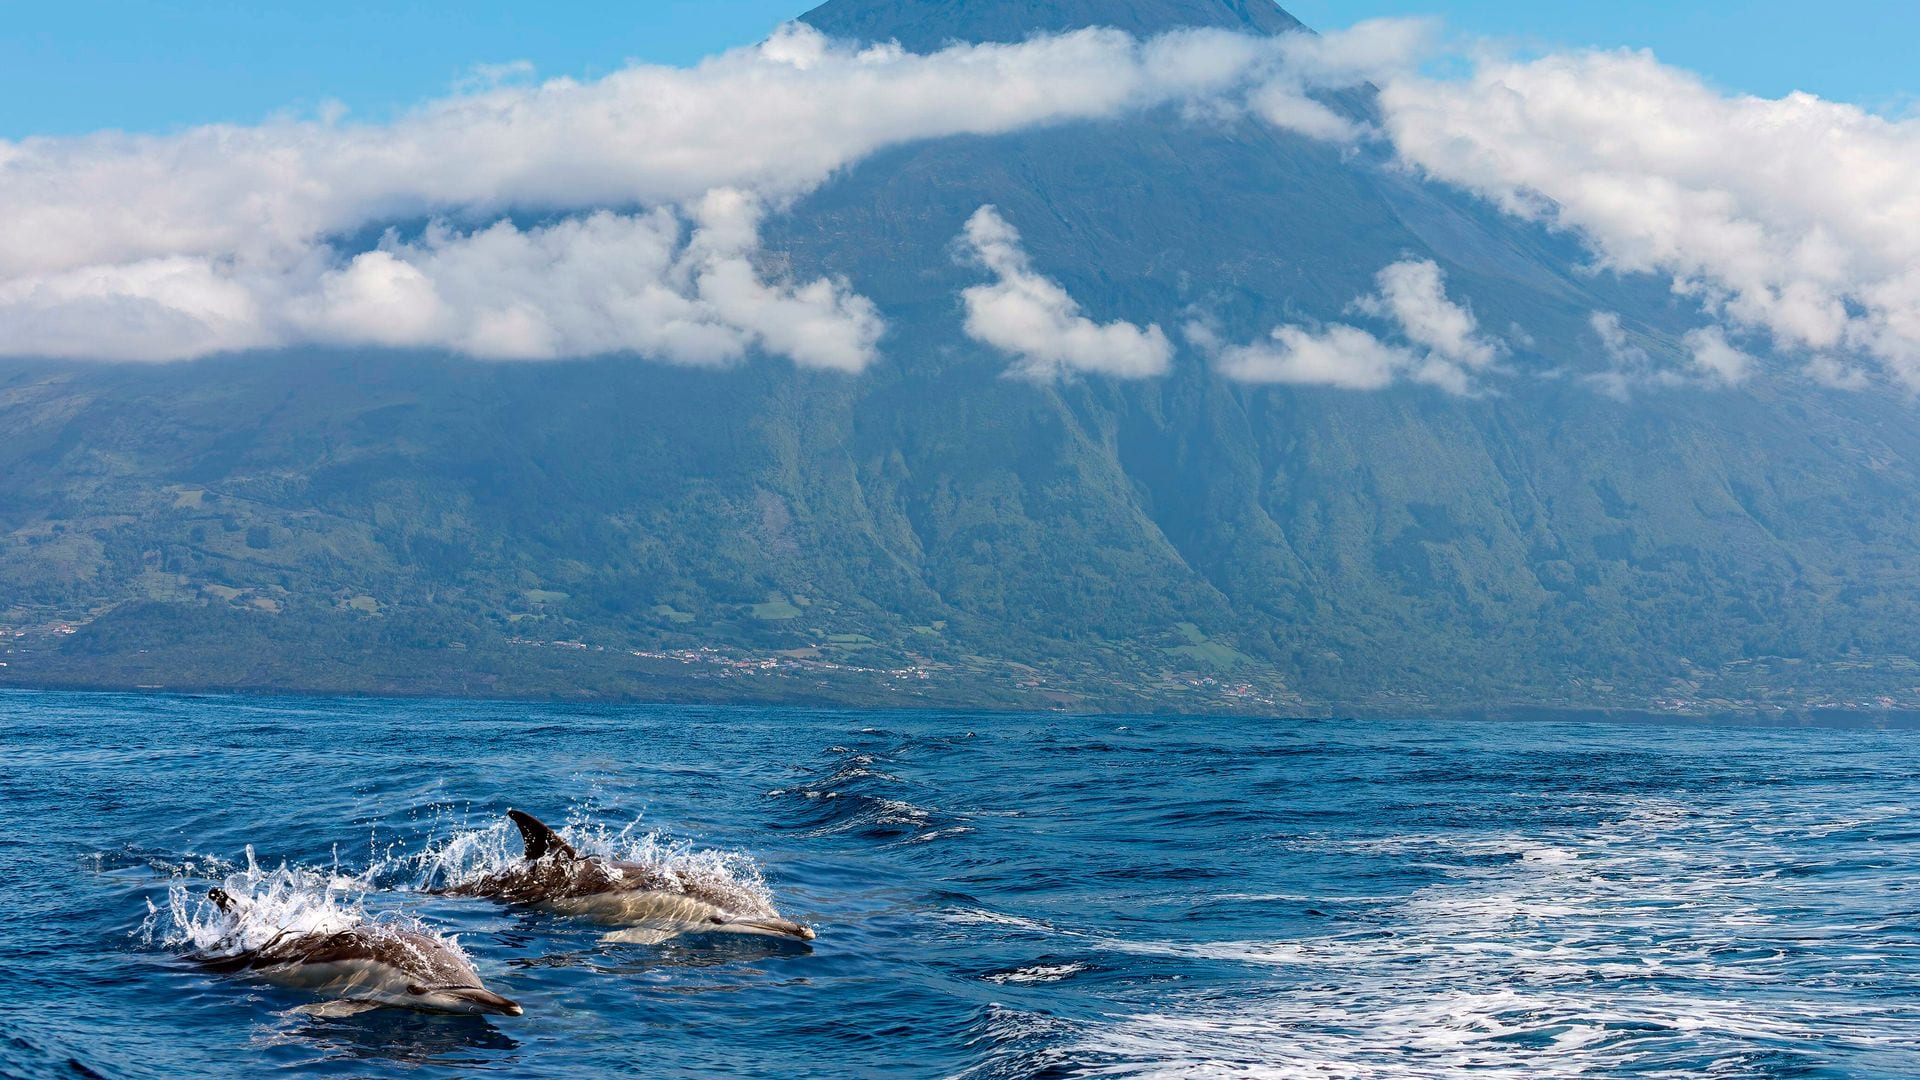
934, 531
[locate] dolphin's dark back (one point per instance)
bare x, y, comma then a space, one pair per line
346, 945
552, 870
554, 874
555, 870
540, 840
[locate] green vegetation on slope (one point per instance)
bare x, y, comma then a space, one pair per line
405, 523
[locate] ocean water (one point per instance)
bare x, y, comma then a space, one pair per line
995, 896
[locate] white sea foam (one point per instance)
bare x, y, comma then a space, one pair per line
1667, 939
983, 917
938, 834
1038, 973
895, 812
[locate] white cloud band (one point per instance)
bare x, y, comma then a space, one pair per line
223, 237
1798, 217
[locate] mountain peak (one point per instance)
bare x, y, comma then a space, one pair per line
925, 25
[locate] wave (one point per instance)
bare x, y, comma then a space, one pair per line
859, 796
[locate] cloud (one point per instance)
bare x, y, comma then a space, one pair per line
156, 307
607, 283
1714, 360
1030, 317
1284, 78
776, 119
1338, 356
1835, 375
1369, 51
1620, 348
1413, 294
228, 237
1715, 357
1797, 217
1443, 345
601, 284
1628, 365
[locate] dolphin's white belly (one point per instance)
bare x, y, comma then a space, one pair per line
353, 980
648, 917
652, 910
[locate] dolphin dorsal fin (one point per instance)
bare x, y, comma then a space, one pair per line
541, 841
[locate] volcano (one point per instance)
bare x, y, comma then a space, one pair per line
934, 531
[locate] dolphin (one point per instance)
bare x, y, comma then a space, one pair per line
652, 905
366, 966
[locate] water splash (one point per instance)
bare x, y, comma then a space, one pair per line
467, 855
271, 906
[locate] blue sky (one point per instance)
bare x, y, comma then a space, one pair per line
161, 64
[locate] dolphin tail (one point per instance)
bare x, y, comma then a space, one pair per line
540, 840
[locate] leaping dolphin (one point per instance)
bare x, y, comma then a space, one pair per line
651, 904
367, 966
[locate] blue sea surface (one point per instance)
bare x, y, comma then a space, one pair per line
995, 896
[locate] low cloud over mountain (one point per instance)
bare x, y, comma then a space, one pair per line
228, 238
232, 238
1030, 317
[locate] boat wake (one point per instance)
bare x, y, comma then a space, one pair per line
1667, 940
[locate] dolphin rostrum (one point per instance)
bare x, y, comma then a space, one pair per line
366, 966
651, 903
